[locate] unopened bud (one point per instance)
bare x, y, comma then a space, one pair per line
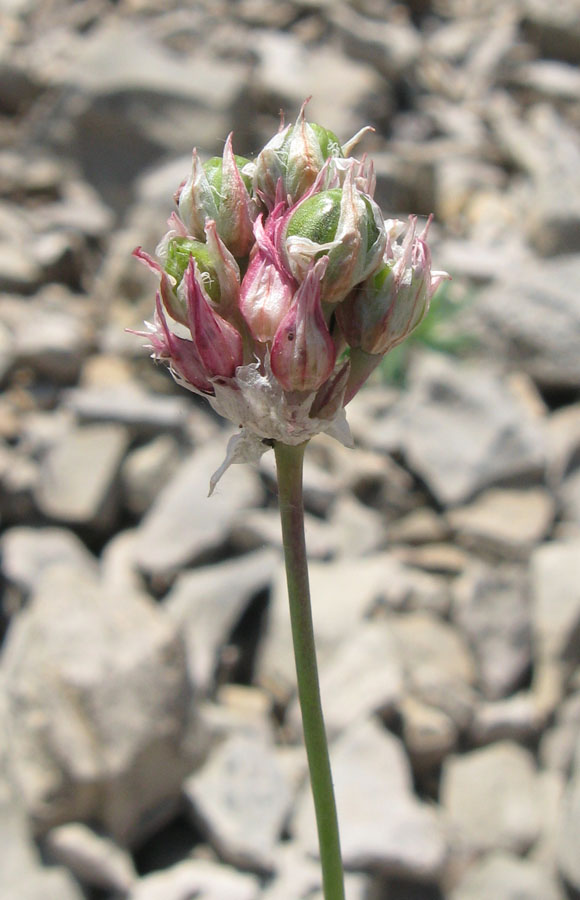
343, 223
217, 342
303, 352
294, 156
267, 289
218, 190
390, 304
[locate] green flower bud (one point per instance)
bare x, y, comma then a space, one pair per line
390, 304
220, 191
179, 250
342, 223
295, 155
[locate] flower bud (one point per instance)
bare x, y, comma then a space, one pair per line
295, 156
343, 223
217, 343
216, 267
267, 288
390, 304
218, 190
181, 353
303, 352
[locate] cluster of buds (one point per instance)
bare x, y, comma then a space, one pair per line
282, 287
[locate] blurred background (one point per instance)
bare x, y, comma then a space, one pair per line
150, 744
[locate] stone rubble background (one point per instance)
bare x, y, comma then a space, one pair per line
150, 738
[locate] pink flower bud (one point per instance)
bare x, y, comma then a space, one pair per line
303, 352
218, 344
217, 190
181, 353
390, 304
267, 288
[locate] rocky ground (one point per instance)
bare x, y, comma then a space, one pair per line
151, 739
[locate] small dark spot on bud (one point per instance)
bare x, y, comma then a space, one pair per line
290, 335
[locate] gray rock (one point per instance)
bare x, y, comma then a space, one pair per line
50, 884
147, 470
297, 875
517, 718
555, 581
570, 498
391, 47
256, 528
553, 28
532, 319
79, 476
184, 524
405, 180
21, 872
567, 831
364, 676
359, 530
19, 479
506, 876
28, 552
556, 750
429, 733
239, 710
343, 585
563, 441
99, 706
119, 570
438, 559
506, 522
383, 826
123, 82
422, 526
144, 414
438, 666
19, 271
208, 602
407, 588
461, 430
545, 850
481, 261
93, 859
287, 70
491, 799
197, 878
50, 334
549, 79
241, 801
491, 607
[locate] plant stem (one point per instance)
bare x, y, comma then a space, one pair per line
289, 462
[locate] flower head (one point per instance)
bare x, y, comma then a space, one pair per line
271, 269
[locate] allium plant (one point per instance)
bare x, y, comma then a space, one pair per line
281, 288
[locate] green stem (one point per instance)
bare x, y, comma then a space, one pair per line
289, 466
